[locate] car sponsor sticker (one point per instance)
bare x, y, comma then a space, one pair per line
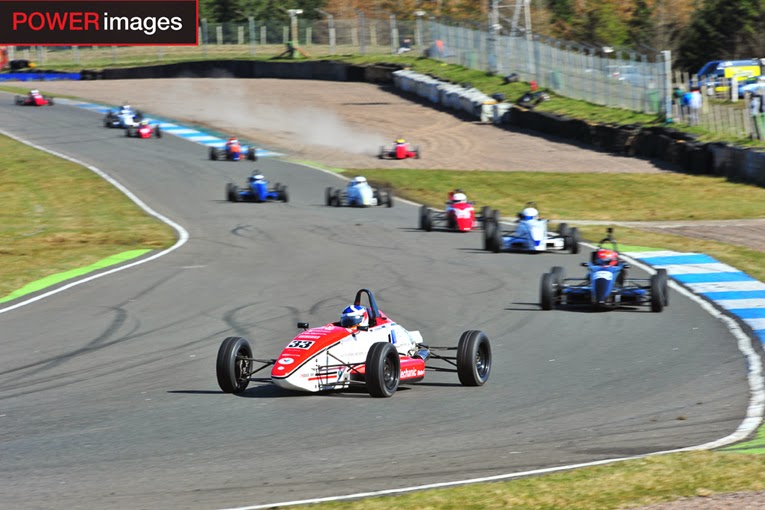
606, 275
286, 361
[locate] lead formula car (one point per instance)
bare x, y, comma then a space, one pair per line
378, 357
606, 284
399, 150
359, 193
531, 235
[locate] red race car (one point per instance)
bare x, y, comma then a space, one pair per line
34, 98
399, 150
143, 130
458, 215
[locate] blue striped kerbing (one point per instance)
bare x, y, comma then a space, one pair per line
732, 290
190, 134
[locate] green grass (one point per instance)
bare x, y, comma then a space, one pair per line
57, 216
625, 484
623, 197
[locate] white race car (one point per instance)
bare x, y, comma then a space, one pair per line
358, 193
123, 117
530, 235
364, 349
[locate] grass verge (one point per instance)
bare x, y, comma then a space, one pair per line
58, 216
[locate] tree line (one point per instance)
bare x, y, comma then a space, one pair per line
696, 31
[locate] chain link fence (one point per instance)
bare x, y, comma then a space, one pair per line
635, 82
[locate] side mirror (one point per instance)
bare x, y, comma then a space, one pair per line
363, 328
303, 325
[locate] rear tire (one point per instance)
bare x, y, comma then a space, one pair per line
328, 196
234, 372
158, 131
213, 154
383, 370
572, 240
488, 234
563, 229
416, 153
496, 239
252, 155
283, 196
389, 197
336, 198
473, 358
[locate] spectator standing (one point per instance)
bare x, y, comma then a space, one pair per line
694, 105
756, 107
677, 102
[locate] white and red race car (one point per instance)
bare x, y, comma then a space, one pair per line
458, 215
378, 357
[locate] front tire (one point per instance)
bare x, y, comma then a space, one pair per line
657, 296
572, 240
383, 370
663, 278
547, 291
233, 365
473, 358
328, 196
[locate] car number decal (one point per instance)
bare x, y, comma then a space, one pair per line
606, 275
301, 344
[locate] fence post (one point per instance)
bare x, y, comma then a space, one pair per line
240, 35
285, 34
393, 34
263, 34
308, 35
203, 39
331, 24
251, 23
362, 33
219, 34
666, 85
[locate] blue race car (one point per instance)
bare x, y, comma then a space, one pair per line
530, 235
606, 285
123, 117
256, 190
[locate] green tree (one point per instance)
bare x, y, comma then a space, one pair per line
641, 31
603, 24
722, 30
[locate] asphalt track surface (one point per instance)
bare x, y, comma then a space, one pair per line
108, 396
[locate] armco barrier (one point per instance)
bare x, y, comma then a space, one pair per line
39, 76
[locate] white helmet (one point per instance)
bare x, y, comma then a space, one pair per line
359, 179
459, 198
354, 315
529, 214
35, 91
259, 177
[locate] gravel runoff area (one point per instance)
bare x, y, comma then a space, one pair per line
344, 124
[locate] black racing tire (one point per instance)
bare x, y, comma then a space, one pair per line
563, 229
158, 131
252, 154
381, 155
328, 195
484, 214
423, 208
428, 221
496, 239
336, 198
128, 133
572, 240
51, 102
488, 234
495, 216
417, 152
213, 154
558, 274
664, 278
657, 296
230, 191
473, 358
283, 196
234, 372
388, 197
18, 100
383, 370
547, 291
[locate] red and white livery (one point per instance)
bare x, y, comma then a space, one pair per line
377, 356
459, 215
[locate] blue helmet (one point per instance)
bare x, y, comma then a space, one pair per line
354, 315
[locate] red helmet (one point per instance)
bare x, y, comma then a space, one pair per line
606, 257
